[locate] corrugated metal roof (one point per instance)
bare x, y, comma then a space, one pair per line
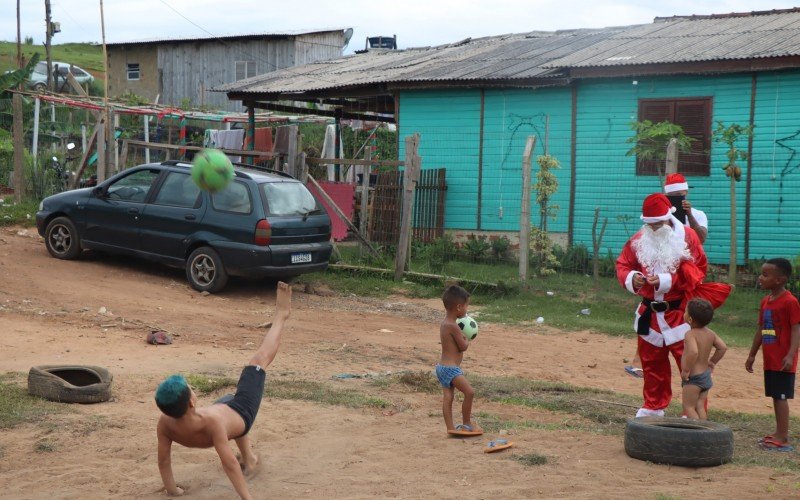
694, 39
244, 36
505, 57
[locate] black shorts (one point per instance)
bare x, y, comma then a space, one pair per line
779, 385
248, 395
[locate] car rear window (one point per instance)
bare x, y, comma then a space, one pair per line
288, 198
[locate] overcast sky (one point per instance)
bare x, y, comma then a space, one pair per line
415, 22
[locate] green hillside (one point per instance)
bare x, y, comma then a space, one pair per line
87, 56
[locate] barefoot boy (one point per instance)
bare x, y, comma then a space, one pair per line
697, 362
779, 334
185, 423
448, 371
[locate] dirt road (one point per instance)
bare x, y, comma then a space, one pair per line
98, 311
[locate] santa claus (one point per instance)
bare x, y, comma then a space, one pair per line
665, 264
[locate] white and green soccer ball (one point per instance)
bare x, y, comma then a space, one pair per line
468, 326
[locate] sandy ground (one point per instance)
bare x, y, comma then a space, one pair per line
50, 313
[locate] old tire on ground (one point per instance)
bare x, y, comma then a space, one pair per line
679, 441
70, 383
61, 239
205, 271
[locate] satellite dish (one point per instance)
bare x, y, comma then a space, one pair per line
348, 34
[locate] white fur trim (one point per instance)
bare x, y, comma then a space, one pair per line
629, 281
678, 229
673, 335
664, 283
678, 186
666, 216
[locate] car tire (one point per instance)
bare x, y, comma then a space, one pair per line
205, 271
39, 87
61, 239
70, 383
679, 441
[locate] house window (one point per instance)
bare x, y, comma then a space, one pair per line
694, 116
133, 71
245, 69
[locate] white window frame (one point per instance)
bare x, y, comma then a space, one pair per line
246, 68
137, 71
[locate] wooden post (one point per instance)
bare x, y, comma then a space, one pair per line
365, 171
47, 43
299, 157
101, 151
19, 149
146, 119
123, 156
37, 106
291, 153
250, 133
303, 175
597, 240
409, 185
672, 157
115, 143
86, 152
525, 210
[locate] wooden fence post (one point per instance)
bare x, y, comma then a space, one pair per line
364, 194
409, 184
525, 210
672, 157
19, 149
101, 149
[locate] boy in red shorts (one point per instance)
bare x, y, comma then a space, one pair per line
779, 334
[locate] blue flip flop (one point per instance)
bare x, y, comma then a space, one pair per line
497, 445
634, 371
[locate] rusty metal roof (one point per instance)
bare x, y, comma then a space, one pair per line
506, 57
753, 35
229, 37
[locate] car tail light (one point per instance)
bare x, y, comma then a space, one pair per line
263, 232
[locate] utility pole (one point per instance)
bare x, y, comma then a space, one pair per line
108, 137
48, 37
19, 41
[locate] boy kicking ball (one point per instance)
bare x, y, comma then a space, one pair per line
448, 371
697, 362
184, 423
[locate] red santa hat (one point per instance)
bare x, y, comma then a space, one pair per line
675, 182
656, 208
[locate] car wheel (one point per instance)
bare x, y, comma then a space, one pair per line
61, 239
39, 87
204, 270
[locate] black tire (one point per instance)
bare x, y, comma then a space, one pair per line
39, 87
679, 441
205, 271
70, 383
62, 239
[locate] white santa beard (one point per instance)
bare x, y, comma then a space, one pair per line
660, 251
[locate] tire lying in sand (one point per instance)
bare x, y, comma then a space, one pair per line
70, 383
679, 441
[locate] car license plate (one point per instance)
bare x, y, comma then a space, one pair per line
298, 258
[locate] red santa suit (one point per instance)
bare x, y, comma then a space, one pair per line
663, 302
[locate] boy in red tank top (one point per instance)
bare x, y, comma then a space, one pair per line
779, 334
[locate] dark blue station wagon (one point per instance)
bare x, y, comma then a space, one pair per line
263, 224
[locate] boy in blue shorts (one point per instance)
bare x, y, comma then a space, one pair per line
779, 335
229, 418
448, 371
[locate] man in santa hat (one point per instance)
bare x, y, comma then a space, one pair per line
664, 263
676, 188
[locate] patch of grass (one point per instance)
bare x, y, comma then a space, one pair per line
665, 496
18, 407
368, 284
45, 446
306, 390
206, 384
420, 381
493, 424
12, 213
88, 56
530, 459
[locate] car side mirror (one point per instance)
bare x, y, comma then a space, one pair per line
99, 192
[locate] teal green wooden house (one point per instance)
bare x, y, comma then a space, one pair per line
475, 102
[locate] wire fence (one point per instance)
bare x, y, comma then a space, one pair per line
467, 210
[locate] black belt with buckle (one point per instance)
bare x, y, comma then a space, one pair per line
651, 306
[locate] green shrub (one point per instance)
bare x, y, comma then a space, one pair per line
500, 247
477, 246
574, 259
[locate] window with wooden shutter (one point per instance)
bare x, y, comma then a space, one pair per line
245, 69
694, 116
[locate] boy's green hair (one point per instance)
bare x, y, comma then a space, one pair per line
173, 395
